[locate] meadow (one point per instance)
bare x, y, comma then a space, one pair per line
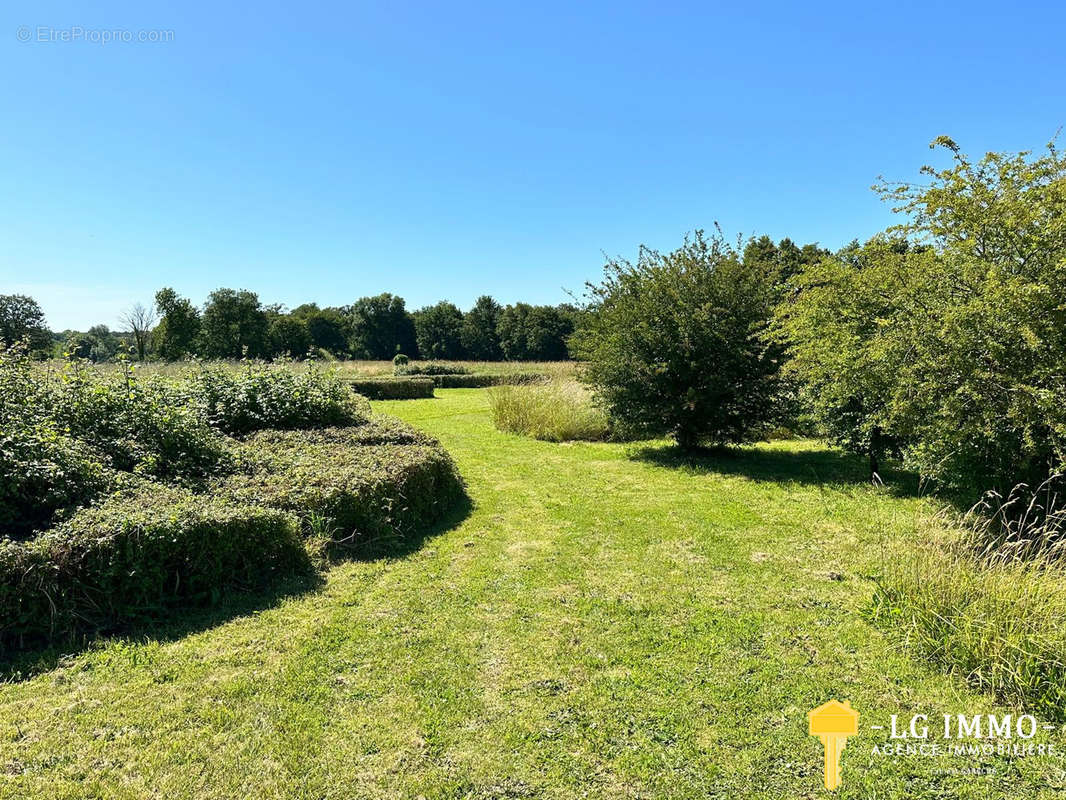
603, 619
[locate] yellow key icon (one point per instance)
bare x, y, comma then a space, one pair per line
833, 723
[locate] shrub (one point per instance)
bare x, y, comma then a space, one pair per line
946, 339
400, 360
675, 344
139, 426
260, 397
398, 388
41, 473
373, 482
136, 555
433, 368
553, 412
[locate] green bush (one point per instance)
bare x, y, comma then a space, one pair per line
482, 380
400, 360
432, 368
397, 388
364, 484
41, 473
146, 427
674, 343
136, 555
554, 412
259, 397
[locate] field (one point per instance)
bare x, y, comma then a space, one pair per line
605, 621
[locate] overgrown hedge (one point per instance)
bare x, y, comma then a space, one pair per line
138, 554
393, 388
121, 499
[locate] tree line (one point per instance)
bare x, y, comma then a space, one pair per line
235, 323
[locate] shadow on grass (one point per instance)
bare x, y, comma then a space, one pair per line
819, 467
20, 664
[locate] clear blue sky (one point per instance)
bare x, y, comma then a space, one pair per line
442, 150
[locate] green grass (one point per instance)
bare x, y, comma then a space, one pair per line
558, 411
608, 621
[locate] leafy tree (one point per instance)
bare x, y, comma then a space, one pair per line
535, 333
234, 324
381, 327
438, 330
289, 335
956, 342
675, 344
480, 339
327, 327
21, 318
176, 335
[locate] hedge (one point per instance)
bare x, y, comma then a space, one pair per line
357, 486
481, 381
138, 554
393, 388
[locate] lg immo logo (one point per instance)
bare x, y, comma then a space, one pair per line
833, 723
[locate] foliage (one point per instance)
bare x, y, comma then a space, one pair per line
367, 483
138, 426
259, 397
954, 345
381, 327
177, 334
400, 360
554, 412
535, 333
675, 344
431, 368
438, 330
234, 325
136, 555
479, 334
289, 336
327, 327
392, 388
483, 379
21, 318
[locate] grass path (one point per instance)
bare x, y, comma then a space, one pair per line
604, 623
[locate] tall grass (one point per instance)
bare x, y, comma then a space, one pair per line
984, 595
555, 412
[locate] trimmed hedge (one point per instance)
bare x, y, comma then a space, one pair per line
481, 381
357, 486
431, 368
393, 388
137, 554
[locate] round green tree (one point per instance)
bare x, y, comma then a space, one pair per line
675, 344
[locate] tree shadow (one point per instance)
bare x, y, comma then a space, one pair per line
819, 467
23, 663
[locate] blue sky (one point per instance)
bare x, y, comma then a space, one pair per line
320, 151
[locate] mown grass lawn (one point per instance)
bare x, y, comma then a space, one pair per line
605, 622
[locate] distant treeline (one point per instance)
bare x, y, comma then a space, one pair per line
235, 324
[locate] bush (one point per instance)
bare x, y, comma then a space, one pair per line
554, 412
144, 427
398, 388
260, 398
365, 484
433, 368
482, 380
675, 345
41, 473
136, 555
400, 360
